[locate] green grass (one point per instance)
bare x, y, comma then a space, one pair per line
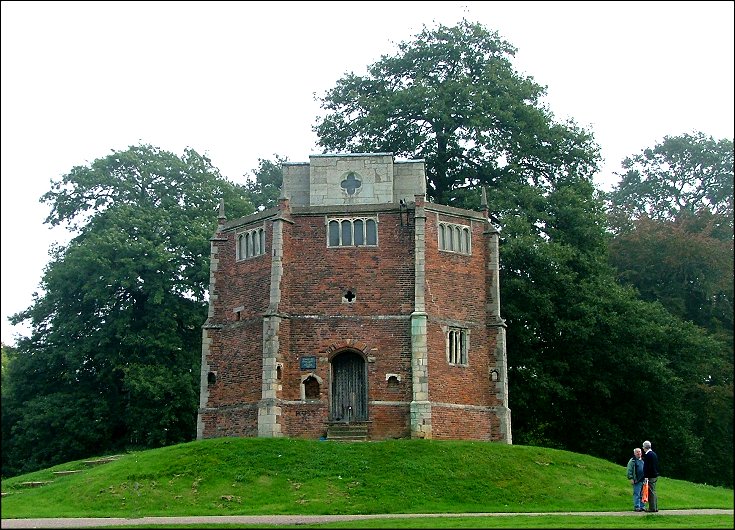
257, 476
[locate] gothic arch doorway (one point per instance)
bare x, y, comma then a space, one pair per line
349, 387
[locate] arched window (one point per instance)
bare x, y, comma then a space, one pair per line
454, 238
311, 387
346, 233
358, 225
333, 233
352, 232
371, 227
251, 243
457, 346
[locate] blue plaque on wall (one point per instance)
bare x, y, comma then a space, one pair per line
308, 363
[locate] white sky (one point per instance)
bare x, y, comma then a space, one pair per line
236, 81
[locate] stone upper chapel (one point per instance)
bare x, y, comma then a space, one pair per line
355, 309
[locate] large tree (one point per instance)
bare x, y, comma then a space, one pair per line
584, 353
672, 220
681, 175
113, 357
452, 97
672, 217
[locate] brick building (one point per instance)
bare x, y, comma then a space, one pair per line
355, 303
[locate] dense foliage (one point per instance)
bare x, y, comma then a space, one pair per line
672, 219
264, 186
672, 216
592, 367
114, 353
682, 174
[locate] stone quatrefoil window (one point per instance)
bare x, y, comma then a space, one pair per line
353, 232
351, 183
455, 238
251, 243
457, 346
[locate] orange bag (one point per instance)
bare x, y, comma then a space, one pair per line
644, 493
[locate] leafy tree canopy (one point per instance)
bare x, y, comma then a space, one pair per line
452, 97
113, 356
264, 188
174, 197
682, 263
680, 175
672, 216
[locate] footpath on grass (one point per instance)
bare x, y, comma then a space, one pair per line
96, 522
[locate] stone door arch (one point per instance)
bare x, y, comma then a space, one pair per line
349, 394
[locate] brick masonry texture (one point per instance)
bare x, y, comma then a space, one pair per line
315, 319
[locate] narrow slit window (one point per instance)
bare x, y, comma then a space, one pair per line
346, 233
359, 232
333, 233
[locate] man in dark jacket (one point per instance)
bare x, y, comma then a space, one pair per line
650, 471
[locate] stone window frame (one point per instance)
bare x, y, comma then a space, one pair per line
457, 345
454, 237
250, 243
304, 379
365, 219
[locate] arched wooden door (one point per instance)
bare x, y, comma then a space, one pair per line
349, 388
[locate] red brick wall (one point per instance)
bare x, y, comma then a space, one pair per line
455, 282
317, 322
244, 283
238, 421
390, 421
236, 351
385, 344
237, 357
456, 296
304, 420
456, 424
316, 277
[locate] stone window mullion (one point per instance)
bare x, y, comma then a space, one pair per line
356, 232
457, 346
250, 244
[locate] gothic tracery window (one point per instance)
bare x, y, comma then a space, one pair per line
251, 243
352, 232
455, 238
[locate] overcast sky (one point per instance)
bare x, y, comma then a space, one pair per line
236, 81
